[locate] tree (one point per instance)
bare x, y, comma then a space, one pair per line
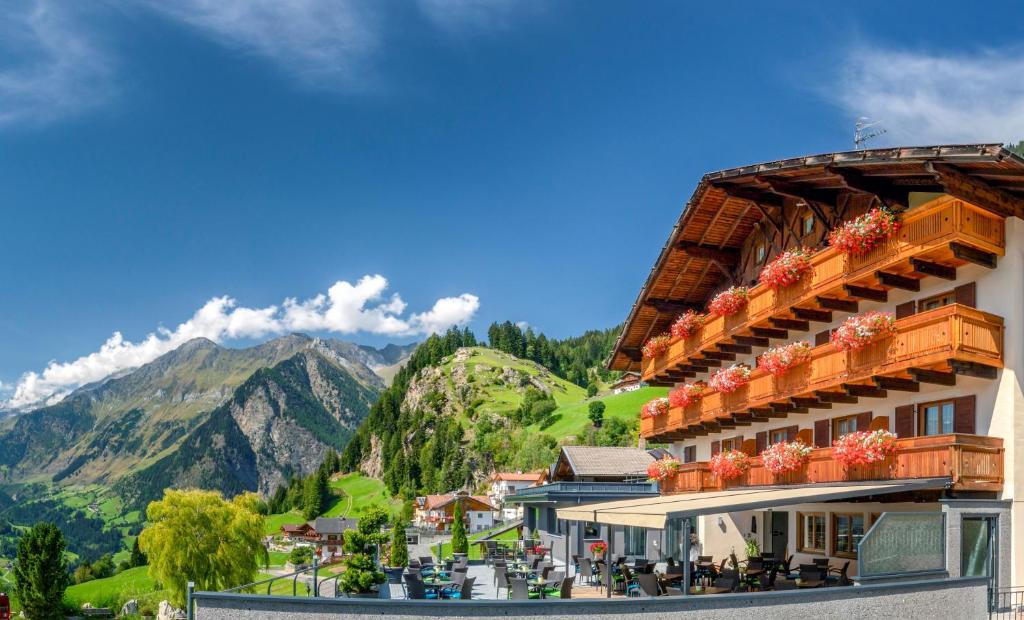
41, 572
103, 567
199, 536
361, 572
315, 494
137, 558
591, 390
83, 573
459, 542
301, 555
399, 546
595, 411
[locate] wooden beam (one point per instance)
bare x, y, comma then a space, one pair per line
681, 374
697, 430
795, 190
634, 354
836, 397
719, 355
973, 255
863, 292
808, 314
752, 195
671, 306
655, 382
787, 407
976, 191
695, 368
726, 256
810, 403
734, 348
769, 332
867, 391
726, 423
857, 181
794, 324
761, 414
842, 305
898, 384
897, 281
923, 375
972, 369
706, 363
740, 419
928, 268
754, 341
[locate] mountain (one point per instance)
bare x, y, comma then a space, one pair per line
125, 423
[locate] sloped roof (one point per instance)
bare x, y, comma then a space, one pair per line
606, 461
433, 502
518, 476
334, 525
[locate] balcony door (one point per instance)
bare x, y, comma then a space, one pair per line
978, 547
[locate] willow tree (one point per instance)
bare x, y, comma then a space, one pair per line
199, 536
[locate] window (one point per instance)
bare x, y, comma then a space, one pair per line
778, 436
847, 530
844, 426
807, 224
731, 444
760, 253
812, 532
936, 301
635, 540
689, 454
590, 531
935, 418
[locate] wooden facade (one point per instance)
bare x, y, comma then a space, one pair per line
973, 463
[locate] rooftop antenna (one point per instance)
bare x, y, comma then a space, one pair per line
863, 131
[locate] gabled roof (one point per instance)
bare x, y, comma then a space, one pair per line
518, 476
605, 462
333, 525
434, 502
301, 527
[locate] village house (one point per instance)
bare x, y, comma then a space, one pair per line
325, 533
628, 382
504, 484
436, 512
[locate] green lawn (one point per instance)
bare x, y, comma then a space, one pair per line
114, 591
359, 493
574, 421
272, 523
278, 558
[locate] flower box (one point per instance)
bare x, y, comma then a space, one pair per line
778, 360
863, 447
728, 380
655, 408
730, 464
729, 301
785, 456
787, 268
663, 469
687, 324
686, 394
657, 345
859, 236
858, 331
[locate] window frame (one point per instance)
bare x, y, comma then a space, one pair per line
807, 219
734, 443
844, 418
760, 252
919, 416
785, 435
801, 527
834, 538
948, 296
631, 535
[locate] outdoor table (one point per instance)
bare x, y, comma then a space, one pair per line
708, 590
809, 583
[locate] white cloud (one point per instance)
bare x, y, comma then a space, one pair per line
53, 66
475, 15
345, 309
930, 99
323, 43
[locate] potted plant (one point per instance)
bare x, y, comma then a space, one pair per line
362, 575
730, 464
859, 236
655, 408
858, 331
663, 469
778, 360
787, 268
657, 345
785, 456
686, 394
687, 324
728, 380
598, 548
729, 301
863, 447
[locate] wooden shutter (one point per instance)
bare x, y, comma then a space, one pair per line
964, 415
791, 432
738, 441
863, 421
967, 294
716, 447
761, 441
822, 337
822, 439
906, 422
689, 454
904, 310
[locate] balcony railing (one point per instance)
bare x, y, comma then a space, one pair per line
588, 488
932, 239
974, 462
952, 338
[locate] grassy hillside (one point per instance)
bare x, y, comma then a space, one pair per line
573, 420
113, 592
358, 494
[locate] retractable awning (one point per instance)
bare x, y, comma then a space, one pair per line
653, 512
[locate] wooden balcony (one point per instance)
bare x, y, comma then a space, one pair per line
973, 462
934, 240
932, 346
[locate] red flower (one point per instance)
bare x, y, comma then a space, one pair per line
730, 465
787, 268
863, 447
858, 331
729, 301
777, 360
686, 394
598, 547
662, 469
785, 456
657, 345
687, 324
860, 236
655, 408
728, 380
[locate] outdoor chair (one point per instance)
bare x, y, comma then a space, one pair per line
630, 584
426, 560
670, 591
465, 591
821, 562
728, 579
506, 582
811, 572
545, 571
649, 568
564, 590
670, 561
767, 581
457, 581
555, 577
416, 590
520, 590
639, 563
576, 563
499, 575
413, 571
414, 563
649, 584
838, 576
586, 572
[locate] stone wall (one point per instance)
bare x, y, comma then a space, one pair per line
960, 598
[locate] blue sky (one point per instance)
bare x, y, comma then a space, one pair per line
488, 159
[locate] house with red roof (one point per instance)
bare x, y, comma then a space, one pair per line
437, 511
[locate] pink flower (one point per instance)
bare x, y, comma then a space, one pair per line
686, 394
787, 268
728, 380
730, 465
860, 236
863, 447
663, 469
657, 345
785, 456
777, 360
729, 301
687, 324
858, 331
655, 408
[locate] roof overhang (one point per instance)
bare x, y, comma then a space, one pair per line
653, 512
728, 206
